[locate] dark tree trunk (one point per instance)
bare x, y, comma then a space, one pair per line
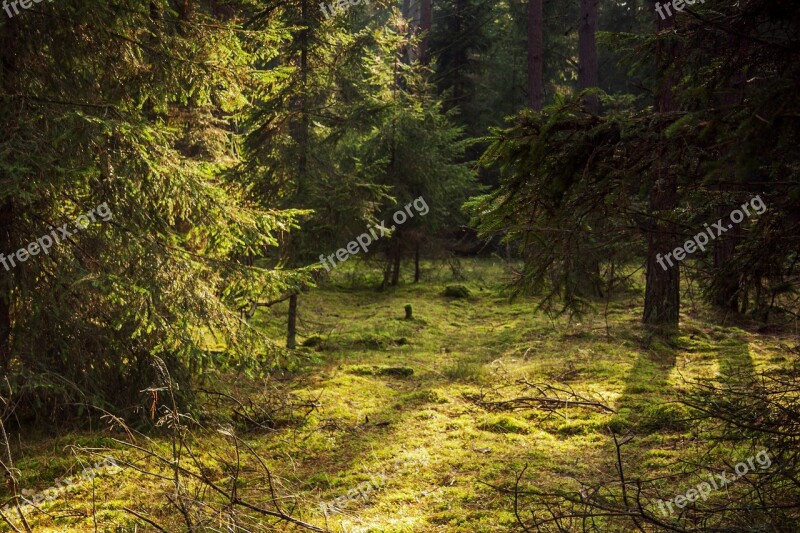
459, 59
302, 160
405, 9
662, 289
416, 264
586, 275
6, 220
304, 120
588, 74
425, 24
387, 269
396, 269
726, 289
586, 272
9, 40
291, 335
184, 9
535, 54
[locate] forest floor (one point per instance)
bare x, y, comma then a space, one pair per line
400, 409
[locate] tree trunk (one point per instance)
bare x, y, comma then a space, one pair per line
535, 54
662, 289
6, 220
9, 40
727, 291
588, 74
387, 270
304, 119
291, 335
425, 24
396, 269
416, 264
411, 12
458, 57
586, 273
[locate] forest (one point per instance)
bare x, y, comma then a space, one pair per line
399, 266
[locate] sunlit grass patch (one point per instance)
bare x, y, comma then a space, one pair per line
381, 388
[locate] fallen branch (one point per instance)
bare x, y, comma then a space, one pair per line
541, 402
549, 398
142, 517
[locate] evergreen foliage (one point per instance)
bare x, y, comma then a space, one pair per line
726, 143
134, 108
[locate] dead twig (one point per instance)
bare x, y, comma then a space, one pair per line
549, 398
144, 518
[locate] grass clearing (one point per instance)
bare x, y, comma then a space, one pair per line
396, 408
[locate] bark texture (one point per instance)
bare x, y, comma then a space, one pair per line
291, 335
662, 290
9, 38
588, 72
535, 54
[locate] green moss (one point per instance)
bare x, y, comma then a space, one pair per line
384, 389
621, 422
313, 341
664, 417
456, 291
467, 371
503, 424
375, 370
423, 396
575, 428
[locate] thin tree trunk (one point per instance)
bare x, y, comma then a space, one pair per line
6, 221
291, 335
662, 289
727, 290
406, 10
588, 73
535, 54
425, 24
586, 273
302, 161
412, 12
304, 121
9, 39
387, 270
459, 60
416, 264
396, 269
184, 9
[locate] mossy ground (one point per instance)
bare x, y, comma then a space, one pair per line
389, 390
